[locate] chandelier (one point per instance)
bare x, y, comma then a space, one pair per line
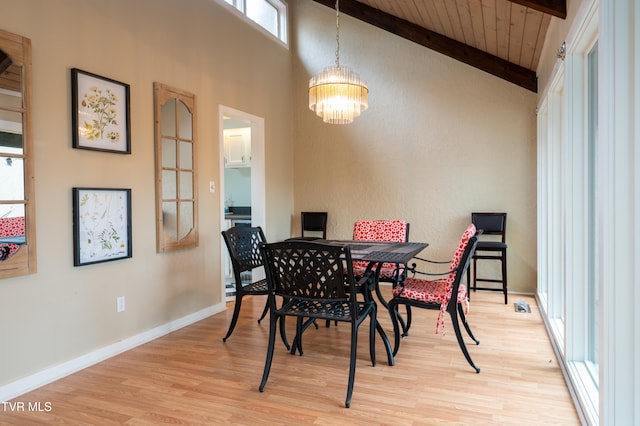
337, 94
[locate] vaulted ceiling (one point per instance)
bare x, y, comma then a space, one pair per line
501, 37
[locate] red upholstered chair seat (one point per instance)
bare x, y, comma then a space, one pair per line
439, 291
388, 270
429, 291
10, 227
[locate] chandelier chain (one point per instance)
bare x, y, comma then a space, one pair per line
338, 33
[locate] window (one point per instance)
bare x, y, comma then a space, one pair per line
553, 174
268, 14
592, 226
569, 213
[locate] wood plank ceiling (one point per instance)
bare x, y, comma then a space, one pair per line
501, 37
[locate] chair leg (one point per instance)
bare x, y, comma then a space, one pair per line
463, 318
463, 347
264, 312
403, 324
352, 363
504, 275
407, 326
393, 312
469, 281
283, 333
475, 274
297, 340
272, 340
372, 335
234, 320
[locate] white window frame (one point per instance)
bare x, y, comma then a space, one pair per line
240, 8
579, 367
619, 180
563, 195
551, 207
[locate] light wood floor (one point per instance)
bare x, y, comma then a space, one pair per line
191, 377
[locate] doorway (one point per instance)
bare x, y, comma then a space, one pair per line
242, 180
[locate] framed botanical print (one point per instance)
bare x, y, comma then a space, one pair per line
100, 113
101, 225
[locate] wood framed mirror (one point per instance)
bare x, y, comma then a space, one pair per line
17, 197
176, 169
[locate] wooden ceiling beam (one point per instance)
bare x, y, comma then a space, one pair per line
557, 8
476, 58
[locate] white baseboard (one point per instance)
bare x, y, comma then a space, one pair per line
49, 375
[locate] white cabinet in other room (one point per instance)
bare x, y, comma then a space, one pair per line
237, 147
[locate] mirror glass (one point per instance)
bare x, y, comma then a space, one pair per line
12, 174
185, 122
169, 159
170, 219
169, 184
169, 118
186, 155
176, 192
12, 188
186, 185
186, 213
17, 195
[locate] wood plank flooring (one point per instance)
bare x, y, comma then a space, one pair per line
190, 377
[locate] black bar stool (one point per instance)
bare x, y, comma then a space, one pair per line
316, 222
491, 224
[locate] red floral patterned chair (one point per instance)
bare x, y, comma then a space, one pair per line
438, 294
381, 230
10, 227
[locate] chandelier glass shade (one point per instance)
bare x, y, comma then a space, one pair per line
337, 93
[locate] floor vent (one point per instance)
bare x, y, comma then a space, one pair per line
521, 306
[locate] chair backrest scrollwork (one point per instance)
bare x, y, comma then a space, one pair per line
243, 244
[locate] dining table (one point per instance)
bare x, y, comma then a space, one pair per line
376, 253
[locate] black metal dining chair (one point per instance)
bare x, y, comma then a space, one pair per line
315, 281
447, 294
243, 244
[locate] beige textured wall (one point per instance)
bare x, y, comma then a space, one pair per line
63, 312
440, 139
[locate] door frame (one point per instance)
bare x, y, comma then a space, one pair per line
258, 185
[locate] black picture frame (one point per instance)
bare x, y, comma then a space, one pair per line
100, 113
101, 225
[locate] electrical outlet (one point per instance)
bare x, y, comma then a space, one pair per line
120, 304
